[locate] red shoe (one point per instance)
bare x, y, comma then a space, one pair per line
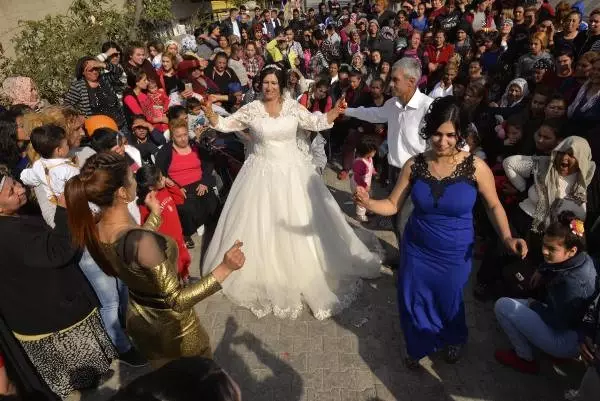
343, 175
511, 359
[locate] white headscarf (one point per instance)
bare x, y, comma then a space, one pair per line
521, 83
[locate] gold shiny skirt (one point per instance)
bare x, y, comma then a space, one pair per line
164, 334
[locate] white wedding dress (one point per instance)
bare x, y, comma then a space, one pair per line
297, 242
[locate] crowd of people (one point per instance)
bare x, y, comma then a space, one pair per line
480, 118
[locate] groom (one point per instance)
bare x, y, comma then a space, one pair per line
403, 114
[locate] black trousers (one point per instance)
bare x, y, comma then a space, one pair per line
196, 210
497, 257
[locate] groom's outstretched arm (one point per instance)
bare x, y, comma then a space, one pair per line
372, 114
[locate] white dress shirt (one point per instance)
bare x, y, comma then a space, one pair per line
404, 125
236, 28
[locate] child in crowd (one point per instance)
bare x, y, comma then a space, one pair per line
237, 95
159, 104
569, 277
196, 118
474, 141
53, 169
149, 178
363, 170
548, 136
176, 112
510, 132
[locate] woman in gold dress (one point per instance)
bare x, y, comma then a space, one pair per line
160, 315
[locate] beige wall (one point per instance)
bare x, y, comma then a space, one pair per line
11, 11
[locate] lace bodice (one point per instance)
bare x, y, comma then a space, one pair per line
464, 171
273, 137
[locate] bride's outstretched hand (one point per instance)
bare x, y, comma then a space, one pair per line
206, 103
341, 105
361, 197
234, 258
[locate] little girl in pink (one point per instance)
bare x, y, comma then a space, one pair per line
363, 170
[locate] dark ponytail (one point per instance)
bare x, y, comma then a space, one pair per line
100, 177
568, 228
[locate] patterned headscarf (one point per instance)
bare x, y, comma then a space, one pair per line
188, 44
544, 64
20, 90
387, 33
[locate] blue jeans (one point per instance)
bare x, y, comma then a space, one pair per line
112, 294
526, 329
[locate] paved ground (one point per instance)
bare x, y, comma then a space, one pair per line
357, 355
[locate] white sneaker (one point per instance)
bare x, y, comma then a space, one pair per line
200, 231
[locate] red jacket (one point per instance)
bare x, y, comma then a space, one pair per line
442, 57
169, 198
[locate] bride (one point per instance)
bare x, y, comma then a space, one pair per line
297, 242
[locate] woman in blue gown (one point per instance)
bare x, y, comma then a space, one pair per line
437, 245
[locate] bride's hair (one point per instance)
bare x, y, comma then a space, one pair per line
279, 74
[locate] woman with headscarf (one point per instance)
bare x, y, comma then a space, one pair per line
506, 33
21, 90
559, 183
172, 47
358, 63
352, 46
511, 101
543, 71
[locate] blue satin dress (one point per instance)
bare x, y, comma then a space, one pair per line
435, 261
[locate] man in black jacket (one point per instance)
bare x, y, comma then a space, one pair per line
230, 26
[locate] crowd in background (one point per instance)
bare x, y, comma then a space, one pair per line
526, 74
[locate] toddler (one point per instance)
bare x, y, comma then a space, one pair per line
159, 104
363, 170
54, 168
196, 118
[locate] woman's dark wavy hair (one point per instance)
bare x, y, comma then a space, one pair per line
442, 110
80, 66
134, 77
185, 379
146, 177
561, 228
279, 74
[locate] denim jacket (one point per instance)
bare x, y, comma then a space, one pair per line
572, 287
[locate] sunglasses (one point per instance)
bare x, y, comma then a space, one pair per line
96, 69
